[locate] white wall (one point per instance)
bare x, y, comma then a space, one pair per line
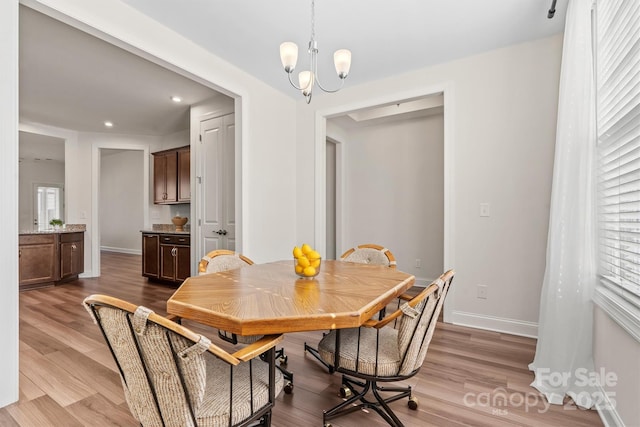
9, 197
31, 172
393, 192
615, 351
502, 108
121, 191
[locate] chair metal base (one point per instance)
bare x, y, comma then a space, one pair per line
380, 404
288, 375
314, 352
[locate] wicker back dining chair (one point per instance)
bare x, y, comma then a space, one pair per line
174, 377
223, 260
381, 352
368, 253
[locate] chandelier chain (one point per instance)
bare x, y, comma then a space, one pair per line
313, 20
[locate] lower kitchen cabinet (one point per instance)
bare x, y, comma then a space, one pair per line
38, 255
166, 257
150, 255
71, 255
46, 259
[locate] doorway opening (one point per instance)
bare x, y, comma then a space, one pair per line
325, 128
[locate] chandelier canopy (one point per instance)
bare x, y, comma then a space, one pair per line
308, 78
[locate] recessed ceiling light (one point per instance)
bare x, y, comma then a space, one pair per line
176, 99
108, 124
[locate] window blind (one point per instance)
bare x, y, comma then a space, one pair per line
617, 47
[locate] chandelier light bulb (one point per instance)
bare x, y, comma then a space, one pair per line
289, 56
342, 61
305, 78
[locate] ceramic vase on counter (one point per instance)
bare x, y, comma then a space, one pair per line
179, 222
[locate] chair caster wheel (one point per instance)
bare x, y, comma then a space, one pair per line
288, 387
344, 392
413, 403
283, 360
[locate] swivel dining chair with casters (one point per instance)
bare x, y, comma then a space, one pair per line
223, 260
378, 352
368, 253
174, 377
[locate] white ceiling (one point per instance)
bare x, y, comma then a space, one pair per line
72, 80
386, 37
40, 148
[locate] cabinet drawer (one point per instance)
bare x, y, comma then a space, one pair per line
37, 239
175, 239
71, 237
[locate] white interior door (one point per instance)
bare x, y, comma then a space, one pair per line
217, 184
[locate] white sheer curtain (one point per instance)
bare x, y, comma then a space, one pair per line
564, 351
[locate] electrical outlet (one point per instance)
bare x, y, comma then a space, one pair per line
482, 291
418, 263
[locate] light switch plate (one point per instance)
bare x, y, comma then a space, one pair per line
484, 209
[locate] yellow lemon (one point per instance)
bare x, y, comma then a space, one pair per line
299, 269
315, 262
309, 271
313, 255
297, 252
306, 249
303, 261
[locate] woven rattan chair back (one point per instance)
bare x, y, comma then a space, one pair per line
222, 260
174, 377
370, 254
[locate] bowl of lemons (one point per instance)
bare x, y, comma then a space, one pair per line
306, 261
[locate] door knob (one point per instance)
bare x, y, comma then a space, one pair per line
221, 232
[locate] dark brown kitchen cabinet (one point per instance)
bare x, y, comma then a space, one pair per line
38, 260
49, 258
166, 257
71, 255
184, 175
172, 176
150, 253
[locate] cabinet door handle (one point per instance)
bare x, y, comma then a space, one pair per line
174, 251
19, 253
73, 247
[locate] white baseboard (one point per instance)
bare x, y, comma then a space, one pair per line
607, 410
121, 250
497, 324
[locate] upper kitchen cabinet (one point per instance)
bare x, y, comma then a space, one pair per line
184, 175
171, 176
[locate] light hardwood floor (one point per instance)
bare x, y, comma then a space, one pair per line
67, 377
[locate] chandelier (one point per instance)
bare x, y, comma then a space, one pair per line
307, 79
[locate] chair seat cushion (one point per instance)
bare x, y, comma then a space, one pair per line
388, 352
214, 410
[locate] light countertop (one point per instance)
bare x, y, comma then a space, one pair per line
66, 228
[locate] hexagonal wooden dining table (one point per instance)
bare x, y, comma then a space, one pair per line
270, 298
